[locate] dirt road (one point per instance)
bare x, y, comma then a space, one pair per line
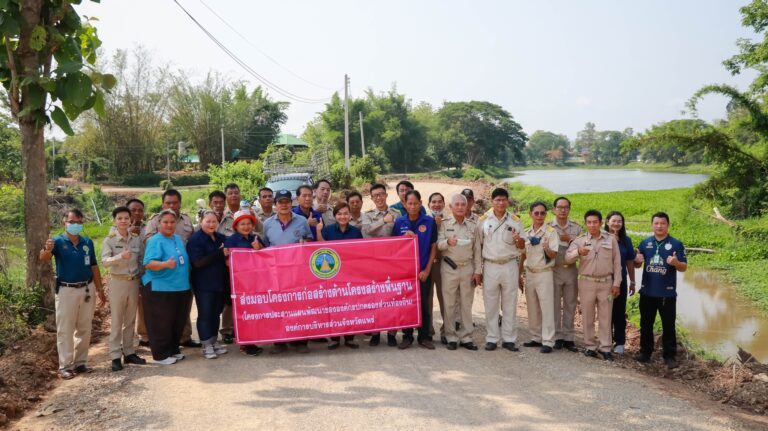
377, 388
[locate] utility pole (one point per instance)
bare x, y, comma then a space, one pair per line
168, 161
346, 121
362, 135
222, 147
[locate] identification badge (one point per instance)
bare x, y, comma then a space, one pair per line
656, 260
87, 260
181, 260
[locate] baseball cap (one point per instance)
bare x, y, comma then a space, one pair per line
283, 194
468, 193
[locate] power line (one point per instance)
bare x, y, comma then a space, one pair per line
262, 52
247, 68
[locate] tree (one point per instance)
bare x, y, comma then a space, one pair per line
586, 139
253, 120
607, 150
48, 51
547, 147
662, 143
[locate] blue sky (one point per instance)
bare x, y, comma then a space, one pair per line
554, 65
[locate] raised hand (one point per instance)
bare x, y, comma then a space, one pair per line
672, 260
170, 263
126, 254
389, 218
452, 241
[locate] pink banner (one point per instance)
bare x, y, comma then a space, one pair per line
325, 289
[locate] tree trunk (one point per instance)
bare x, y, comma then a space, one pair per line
36, 209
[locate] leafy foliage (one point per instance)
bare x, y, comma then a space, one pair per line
248, 175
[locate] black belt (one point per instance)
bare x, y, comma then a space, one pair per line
77, 285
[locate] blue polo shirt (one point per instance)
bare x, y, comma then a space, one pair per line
317, 215
160, 247
424, 228
277, 233
73, 262
403, 212
660, 278
334, 233
210, 275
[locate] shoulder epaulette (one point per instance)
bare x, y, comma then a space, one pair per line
112, 235
514, 217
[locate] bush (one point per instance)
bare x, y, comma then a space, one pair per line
473, 174
19, 310
364, 169
195, 179
86, 201
11, 208
248, 175
341, 178
147, 179
166, 184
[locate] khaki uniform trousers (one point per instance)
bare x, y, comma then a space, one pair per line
539, 296
123, 302
74, 317
458, 294
593, 295
500, 284
566, 290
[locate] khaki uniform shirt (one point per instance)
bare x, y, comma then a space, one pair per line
356, 222
261, 215
496, 238
571, 228
464, 231
373, 223
534, 254
184, 227
328, 217
113, 247
474, 218
225, 224
603, 259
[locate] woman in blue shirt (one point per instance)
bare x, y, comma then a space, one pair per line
614, 224
339, 231
165, 290
209, 281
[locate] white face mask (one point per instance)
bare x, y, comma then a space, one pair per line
437, 213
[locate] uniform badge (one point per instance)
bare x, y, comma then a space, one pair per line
422, 228
668, 246
86, 249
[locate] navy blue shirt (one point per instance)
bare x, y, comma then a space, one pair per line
627, 253
317, 215
73, 262
237, 240
209, 270
333, 233
426, 231
660, 278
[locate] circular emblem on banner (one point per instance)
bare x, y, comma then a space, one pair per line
668, 246
324, 263
422, 228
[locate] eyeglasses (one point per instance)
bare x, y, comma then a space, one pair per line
378, 195
539, 213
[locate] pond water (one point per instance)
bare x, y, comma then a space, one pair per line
564, 181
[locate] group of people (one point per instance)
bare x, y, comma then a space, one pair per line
157, 266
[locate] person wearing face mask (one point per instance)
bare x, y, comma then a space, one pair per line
77, 278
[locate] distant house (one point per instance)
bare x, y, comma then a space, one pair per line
290, 141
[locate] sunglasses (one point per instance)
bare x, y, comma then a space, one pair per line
539, 213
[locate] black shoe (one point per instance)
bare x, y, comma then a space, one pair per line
82, 369
406, 343
143, 343
469, 346
643, 358
444, 340
545, 349
590, 353
333, 345
452, 345
135, 359
510, 346
253, 350
558, 344
116, 365
570, 346
374, 341
228, 339
490, 346
532, 344
606, 356
391, 340
671, 363
191, 343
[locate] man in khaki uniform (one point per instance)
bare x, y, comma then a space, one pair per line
540, 252
565, 277
599, 282
470, 195
456, 242
184, 229
265, 209
321, 204
121, 251
500, 237
378, 223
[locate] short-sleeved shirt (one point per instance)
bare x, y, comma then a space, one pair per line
328, 218
73, 262
573, 230
277, 233
313, 214
112, 249
659, 277
425, 229
184, 227
535, 254
239, 241
334, 233
212, 277
159, 247
374, 225
627, 253
399, 207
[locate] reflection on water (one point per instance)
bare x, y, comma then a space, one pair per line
562, 181
717, 317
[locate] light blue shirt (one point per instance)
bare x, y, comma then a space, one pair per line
275, 233
160, 247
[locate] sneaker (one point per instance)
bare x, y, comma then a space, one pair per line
619, 349
167, 361
220, 349
209, 352
178, 356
